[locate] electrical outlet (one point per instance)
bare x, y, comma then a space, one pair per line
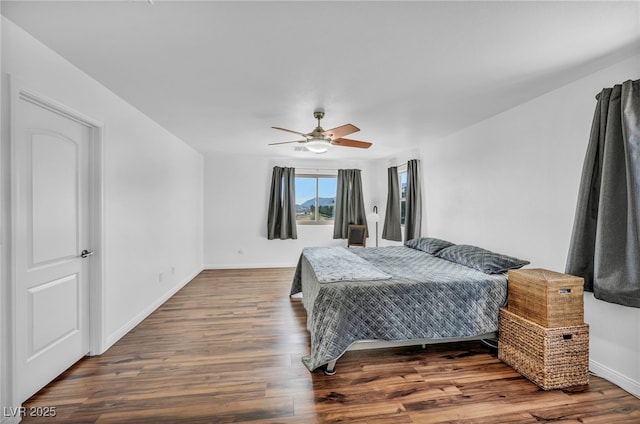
173, 270
160, 277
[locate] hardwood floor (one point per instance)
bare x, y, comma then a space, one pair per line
227, 348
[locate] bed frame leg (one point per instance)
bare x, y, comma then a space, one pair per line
424, 346
330, 368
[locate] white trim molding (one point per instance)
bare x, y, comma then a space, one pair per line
250, 266
10, 419
18, 90
615, 377
131, 324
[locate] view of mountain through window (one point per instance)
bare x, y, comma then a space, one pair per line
315, 199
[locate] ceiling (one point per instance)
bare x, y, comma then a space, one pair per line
219, 74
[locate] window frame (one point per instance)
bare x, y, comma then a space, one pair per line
317, 176
403, 169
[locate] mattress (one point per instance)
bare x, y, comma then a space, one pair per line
414, 296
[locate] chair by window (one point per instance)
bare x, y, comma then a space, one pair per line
357, 235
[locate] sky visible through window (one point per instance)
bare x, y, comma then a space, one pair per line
327, 187
403, 184
306, 188
311, 209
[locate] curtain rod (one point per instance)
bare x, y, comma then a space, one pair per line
336, 169
403, 163
317, 169
321, 169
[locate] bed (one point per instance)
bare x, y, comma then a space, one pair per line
414, 294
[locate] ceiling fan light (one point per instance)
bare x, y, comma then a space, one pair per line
318, 145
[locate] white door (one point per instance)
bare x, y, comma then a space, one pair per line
51, 210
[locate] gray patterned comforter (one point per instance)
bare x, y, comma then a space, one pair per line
427, 297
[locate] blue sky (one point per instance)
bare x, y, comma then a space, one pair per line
306, 188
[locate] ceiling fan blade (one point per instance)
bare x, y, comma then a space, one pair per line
341, 131
351, 143
291, 131
287, 142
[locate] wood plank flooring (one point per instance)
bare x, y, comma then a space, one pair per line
227, 348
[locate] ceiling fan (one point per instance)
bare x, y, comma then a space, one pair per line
319, 140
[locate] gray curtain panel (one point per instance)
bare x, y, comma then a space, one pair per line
413, 214
349, 203
281, 218
391, 229
605, 244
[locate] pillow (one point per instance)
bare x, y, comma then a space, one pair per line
428, 244
481, 259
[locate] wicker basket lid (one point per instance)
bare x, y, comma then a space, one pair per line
543, 275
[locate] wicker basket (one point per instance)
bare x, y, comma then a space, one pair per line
552, 358
548, 298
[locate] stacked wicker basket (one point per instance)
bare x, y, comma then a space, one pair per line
542, 333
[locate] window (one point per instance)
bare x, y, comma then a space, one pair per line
316, 199
402, 176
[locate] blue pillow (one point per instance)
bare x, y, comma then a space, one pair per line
428, 244
481, 259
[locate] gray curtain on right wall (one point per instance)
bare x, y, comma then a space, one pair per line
605, 244
349, 203
413, 215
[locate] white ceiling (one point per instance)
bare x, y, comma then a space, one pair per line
220, 74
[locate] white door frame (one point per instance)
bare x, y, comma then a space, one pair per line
19, 92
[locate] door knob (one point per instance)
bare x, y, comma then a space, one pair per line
86, 253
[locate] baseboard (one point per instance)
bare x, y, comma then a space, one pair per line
615, 377
10, 420
250, 266
122, 331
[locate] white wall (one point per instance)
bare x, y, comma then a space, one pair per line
3, 277
236, 196
152, 187
510, 184
244, 181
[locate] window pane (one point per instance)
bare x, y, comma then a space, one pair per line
403, 196
315, 207
403, 185
327, 187
305, 198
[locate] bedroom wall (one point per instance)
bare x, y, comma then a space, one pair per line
236, 193
236, 236
3, 277
510, 184
397, 160
152, 187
